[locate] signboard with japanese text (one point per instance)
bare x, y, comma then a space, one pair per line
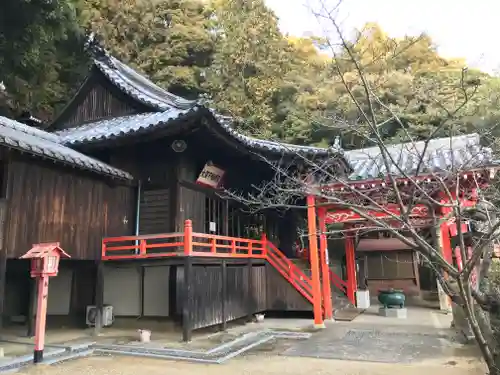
211, 176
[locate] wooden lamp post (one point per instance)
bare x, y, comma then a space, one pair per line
44, 264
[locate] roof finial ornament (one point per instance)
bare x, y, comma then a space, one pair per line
96, 50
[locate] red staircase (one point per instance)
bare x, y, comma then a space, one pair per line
335, 279
291, 272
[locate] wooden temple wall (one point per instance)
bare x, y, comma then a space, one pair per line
230, 290
48, 203
97, 100
390, 269
220, 290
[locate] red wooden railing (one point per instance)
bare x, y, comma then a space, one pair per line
335, 279
289, 270
338, 282
190, 243
139, 247
210, 245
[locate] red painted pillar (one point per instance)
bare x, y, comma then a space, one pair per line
447, 251
313, 256
350, 268
41, 317
325, 269
188, 237
446, 245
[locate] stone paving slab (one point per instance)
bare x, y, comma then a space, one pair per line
370, 345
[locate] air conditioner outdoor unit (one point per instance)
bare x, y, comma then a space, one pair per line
107, 315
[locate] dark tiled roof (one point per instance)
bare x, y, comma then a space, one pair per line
451, 153
18, 136
117, 127
122, 126
139, 87
166, 108
278, 147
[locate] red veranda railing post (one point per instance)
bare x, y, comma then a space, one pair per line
313, 255
188, 237
103, 248
142, 247
325, 269
264, 245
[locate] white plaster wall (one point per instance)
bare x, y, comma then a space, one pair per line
58, 302
156, 291
122, 290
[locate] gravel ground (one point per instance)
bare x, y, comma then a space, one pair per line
255, 364
451, 359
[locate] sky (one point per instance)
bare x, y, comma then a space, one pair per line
460, 28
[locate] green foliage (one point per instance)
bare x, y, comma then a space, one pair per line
40, 54
168, 40
233, 53
250, 60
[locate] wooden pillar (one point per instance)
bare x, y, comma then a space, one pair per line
187, 298
188, 238
444, 242
224, 294
3, 275
187, 324
325, 269
313, 256
350, 268
99, 297
250, 304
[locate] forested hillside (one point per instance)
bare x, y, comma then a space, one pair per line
232, 54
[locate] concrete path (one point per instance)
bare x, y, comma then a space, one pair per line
424, 335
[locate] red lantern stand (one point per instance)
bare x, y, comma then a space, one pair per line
44, 264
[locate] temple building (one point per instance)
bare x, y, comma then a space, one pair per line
131, 180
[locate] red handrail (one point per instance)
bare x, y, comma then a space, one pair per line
335, 279
224, 246
338, 282
136, 247
301, 282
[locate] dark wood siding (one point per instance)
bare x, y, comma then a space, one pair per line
259, 288
97, 102
390, 265
207, 285
391, 269
237, 298
265, 290
3, 215
51, 203
281, 295
208, 299
154, 214
191, 206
